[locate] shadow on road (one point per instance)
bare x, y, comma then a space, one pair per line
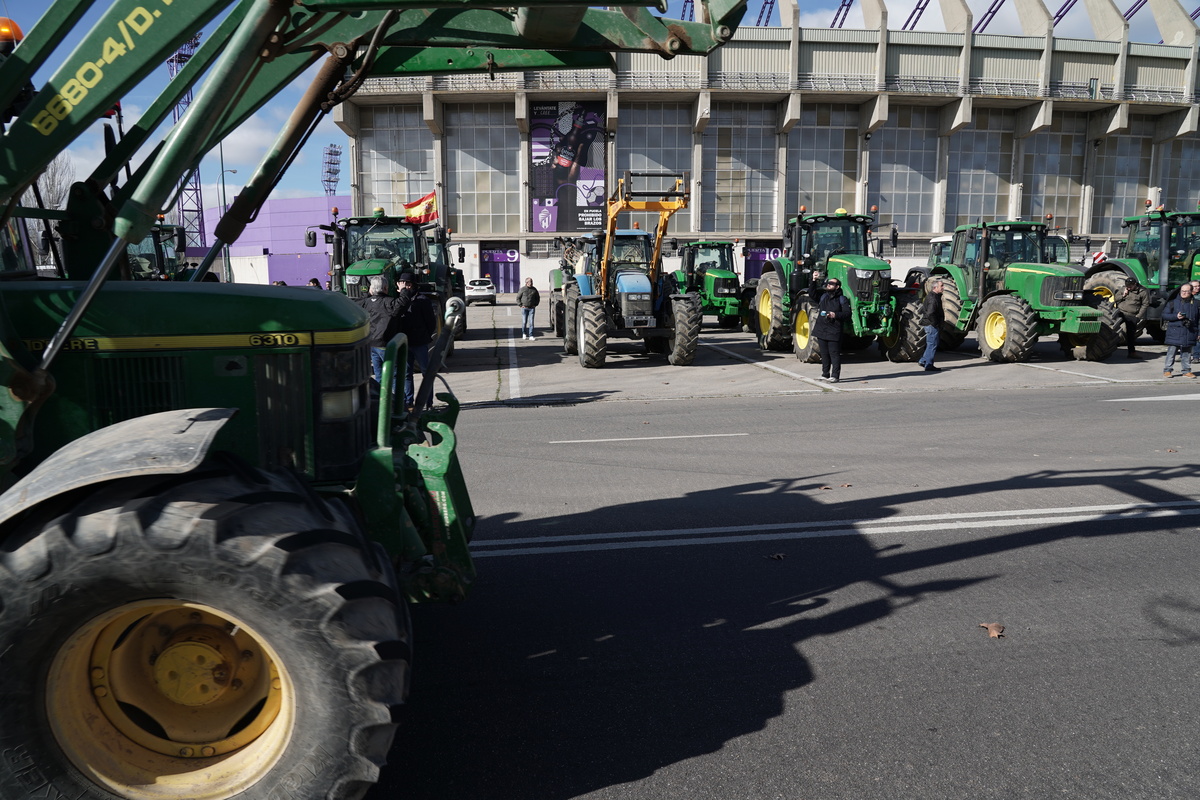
570, 673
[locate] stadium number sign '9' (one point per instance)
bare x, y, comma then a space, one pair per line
136, 23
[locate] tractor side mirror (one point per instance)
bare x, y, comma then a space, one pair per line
180, 240
895, 237
462, 254
310, 238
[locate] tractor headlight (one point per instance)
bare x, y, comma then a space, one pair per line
339, 405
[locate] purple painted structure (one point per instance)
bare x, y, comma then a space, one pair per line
272, 247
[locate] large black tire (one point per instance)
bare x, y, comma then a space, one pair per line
951, 336
746, 296
593, 334
806, 346
1105, 286
225, 629
774, 333
558, 316
906, 344
685, 331
1155, 331
1102, 344
728, 321
1007, 329
570, 318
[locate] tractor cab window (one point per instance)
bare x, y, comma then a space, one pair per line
632, 253
1013, 247
1057, 250
1145, 244
713, 258
15, 254
837, 237
394, 243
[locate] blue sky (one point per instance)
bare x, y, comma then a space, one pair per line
246, 146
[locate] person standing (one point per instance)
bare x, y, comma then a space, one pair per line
528, 299
833, 309
383, 313
1131, 307
1181, 314
932, 317
419, 323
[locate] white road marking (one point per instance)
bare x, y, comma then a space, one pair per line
1100, 378
690, 537
646, 438
814, 381
1155, 399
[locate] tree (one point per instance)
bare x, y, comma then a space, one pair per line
54, 183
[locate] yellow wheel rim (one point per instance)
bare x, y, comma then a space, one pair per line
764, 312
1105, 293
995, 330
803, 330
165, 699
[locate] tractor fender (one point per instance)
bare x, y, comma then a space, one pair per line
167, 443
1111, 265
585, 284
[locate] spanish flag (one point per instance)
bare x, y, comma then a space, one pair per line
423, 210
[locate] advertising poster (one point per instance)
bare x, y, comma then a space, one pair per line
567, 175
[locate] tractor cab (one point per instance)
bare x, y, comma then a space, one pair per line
380, 245
816, 238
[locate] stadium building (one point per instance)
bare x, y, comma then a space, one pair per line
934, 128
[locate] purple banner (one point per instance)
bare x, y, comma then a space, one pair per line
567, 170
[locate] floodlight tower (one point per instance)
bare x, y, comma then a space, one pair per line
332, 169
191, 199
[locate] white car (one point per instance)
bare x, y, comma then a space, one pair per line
481, 290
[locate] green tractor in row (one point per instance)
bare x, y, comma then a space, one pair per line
818, 247
706, 270
998, 281
1161, 252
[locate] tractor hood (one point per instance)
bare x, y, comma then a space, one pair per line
162, 316
860, 262
369, 266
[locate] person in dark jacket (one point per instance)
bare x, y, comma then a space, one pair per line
833, 309
1131, 305
384, 314
528, 299
932, 317
1182, 314
419, 324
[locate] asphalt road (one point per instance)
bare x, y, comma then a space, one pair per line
776, 593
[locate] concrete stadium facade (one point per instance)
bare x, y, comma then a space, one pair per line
933, 128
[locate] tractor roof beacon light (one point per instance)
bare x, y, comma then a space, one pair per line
10, 35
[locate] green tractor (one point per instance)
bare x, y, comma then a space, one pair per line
819, 246
376, 245
706, 270
998, 282
210, 525
1161, 252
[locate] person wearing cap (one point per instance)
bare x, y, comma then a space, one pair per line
419, 323
833, 309
1131, 307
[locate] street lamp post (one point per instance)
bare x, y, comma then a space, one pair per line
228, 276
